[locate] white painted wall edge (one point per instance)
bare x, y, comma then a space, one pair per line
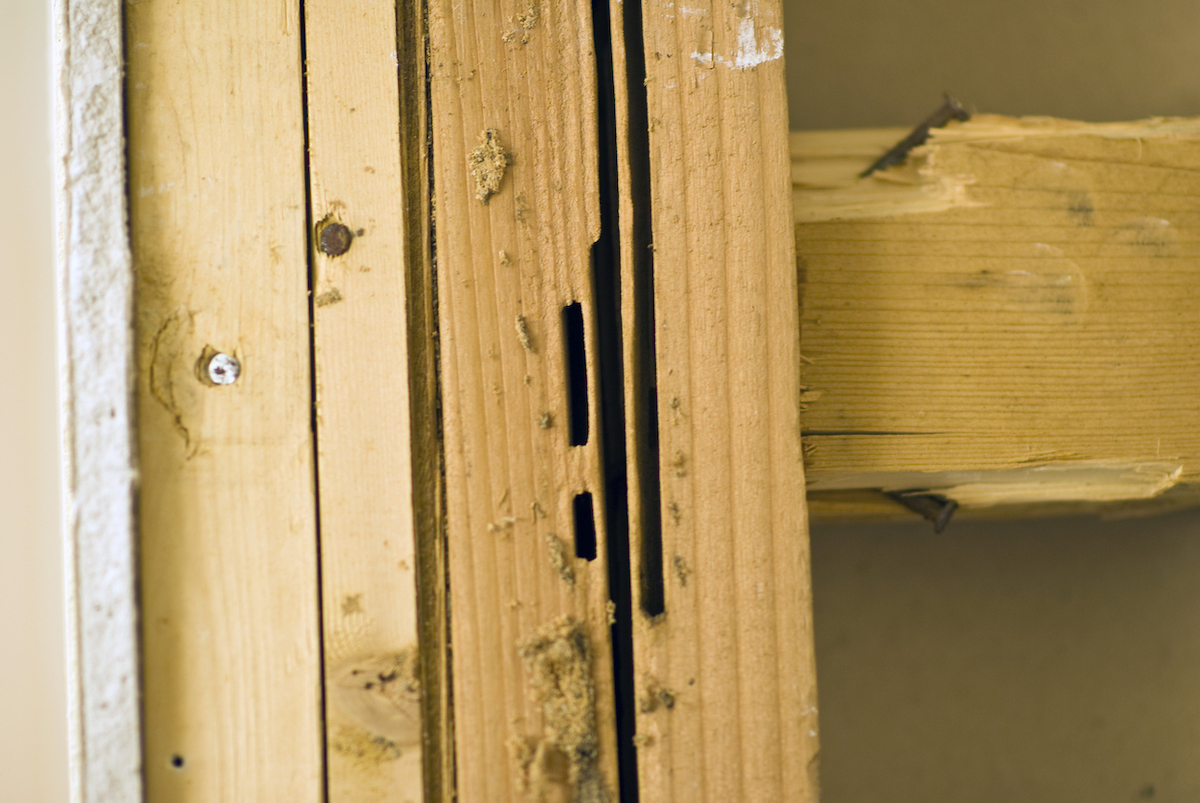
97, 363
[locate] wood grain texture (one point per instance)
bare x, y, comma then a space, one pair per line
228, 532
1007, 319
96, 337
733, 650
364, 452
506, 270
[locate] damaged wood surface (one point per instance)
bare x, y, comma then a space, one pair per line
725, 675
515, 170
361, 271
231, 660
1009, 318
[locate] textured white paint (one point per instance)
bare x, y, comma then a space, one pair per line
97, 371
756, 44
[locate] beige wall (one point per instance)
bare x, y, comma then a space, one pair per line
1054, 660
33, 765
857, 63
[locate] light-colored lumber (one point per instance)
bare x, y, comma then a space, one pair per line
515, 172
1007, 319
364, 452
95, 276
231, 672
726, 678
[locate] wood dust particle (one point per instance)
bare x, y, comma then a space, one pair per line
559, 561
523, 335
526, 20
488, 163
681, 569
502, 525
655, 695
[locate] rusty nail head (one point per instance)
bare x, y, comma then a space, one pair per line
333, 239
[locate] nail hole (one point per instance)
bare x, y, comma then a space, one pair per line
177, 762
577, 387
585, 527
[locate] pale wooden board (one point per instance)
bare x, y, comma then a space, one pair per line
372, 681
525, 253
228, 533
95, 276
1010, 317
734, 646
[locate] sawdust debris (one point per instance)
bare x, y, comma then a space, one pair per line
559, 561
654, 695
681, 569
488, 163
525, 20
503, 525
523, 335
558, 663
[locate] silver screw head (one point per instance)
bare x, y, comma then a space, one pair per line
224, 369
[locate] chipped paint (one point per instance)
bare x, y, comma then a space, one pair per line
757, 47
756, 43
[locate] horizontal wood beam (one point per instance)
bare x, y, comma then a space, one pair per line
1008, 319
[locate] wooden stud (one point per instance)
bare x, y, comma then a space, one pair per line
360, 277
232, 679
515, 158
726, 681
